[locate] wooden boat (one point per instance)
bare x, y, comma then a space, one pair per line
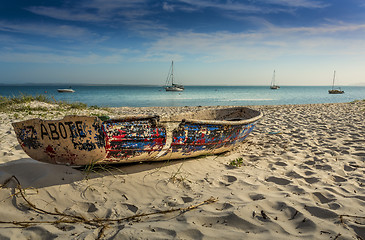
273, 85
333, 90
170, 85
83, 140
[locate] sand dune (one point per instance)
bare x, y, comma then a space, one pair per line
302, 176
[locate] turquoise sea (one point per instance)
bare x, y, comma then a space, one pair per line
146, 96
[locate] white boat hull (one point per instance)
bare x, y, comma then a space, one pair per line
66, 90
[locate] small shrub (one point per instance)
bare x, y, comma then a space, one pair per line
237, 162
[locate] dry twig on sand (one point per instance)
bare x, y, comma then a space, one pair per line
102, 223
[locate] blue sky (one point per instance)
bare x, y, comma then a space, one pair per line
211, 42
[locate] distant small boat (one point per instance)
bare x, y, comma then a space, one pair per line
333, 90
170, 85
68, 90
273, 85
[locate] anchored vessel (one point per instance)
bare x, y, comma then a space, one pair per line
82, 140
333, 90
67, 90
170, 85
273, 85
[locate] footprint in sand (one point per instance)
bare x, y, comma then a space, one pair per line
321, 212
88, 207
279, 181
187, 199
311, 180
256, 197
310, 162
228, 180
322, 198
339, 179
283, 164
92, 208
64, 227
334, 206
308, 173
131, 207
360, 154
349, 168
324, 167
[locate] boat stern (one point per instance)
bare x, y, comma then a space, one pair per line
73, 140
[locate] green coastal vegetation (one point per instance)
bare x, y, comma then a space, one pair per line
43, 106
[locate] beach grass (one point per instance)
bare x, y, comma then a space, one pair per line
20, 103
237, 162
8, 103
45, 106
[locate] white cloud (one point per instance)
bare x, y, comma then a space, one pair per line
266, 6
66, 14
264, 44
298, 3
324, 29
49, 30
167, 7
112, 15
95, 10
228, 6
43, 57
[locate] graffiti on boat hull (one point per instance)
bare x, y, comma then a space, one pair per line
133, 138
82, 140
63, 141
192, 137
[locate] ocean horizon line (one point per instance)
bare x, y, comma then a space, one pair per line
156, 85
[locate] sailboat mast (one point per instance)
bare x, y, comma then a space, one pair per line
333, 82
172, 72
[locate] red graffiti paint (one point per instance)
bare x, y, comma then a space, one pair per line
50, 151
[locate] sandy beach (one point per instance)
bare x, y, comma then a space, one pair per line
299, 175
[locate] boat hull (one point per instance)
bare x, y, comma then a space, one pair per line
82, 140
274, 87
335, 91
66, 90
174, 89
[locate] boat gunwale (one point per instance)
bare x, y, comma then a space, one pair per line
130, 117
224, 122
162, 120
190, 120
219, 122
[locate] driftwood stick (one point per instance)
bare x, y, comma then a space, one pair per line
182, 210
34, 207
337, 236
351, 216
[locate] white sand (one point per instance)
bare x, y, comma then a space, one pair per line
303, 168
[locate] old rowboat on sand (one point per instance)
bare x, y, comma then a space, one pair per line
82, 140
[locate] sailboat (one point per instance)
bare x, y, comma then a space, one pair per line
273, 85
170, 85
333, 90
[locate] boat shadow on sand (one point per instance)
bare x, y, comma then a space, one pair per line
35, 174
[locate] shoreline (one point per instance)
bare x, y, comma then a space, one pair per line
302, 176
